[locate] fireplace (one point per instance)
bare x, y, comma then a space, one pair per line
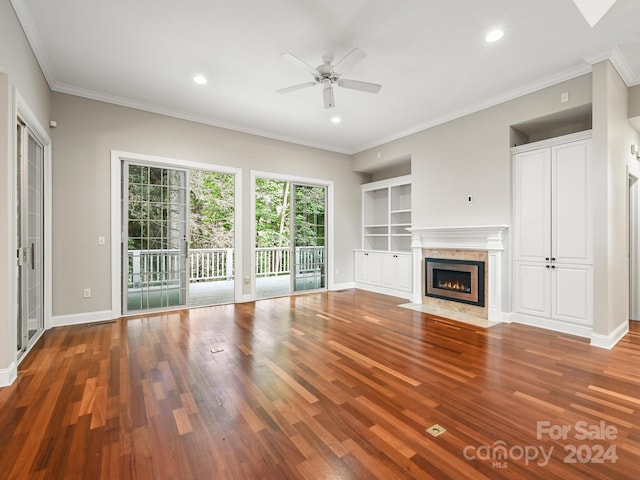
455, 280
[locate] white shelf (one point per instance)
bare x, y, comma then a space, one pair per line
386, 214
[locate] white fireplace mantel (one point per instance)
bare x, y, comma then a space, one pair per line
489, 238
475, 237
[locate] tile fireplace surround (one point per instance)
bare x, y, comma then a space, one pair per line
487, 239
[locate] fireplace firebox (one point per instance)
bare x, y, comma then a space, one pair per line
455, 280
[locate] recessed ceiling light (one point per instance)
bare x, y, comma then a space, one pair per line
336, 119
494, 35
200, 79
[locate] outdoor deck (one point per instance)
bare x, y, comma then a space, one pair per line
154, 275
219, 292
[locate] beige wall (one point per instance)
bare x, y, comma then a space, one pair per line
634, 101
88, 130
19, 72
613, 161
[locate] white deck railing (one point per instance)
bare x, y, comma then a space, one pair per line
158, 267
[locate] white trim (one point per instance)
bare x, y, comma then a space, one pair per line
81, 318
191, 117
329, 217
8, 375
552, 142
491, 102
31, 32
474, 237
21, 109
117, 156
343, 286
30, 119
619, 62
550, 324
610, 341
384, 290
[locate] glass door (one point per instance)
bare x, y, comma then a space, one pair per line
308, 206
155, 233
273, 238
29, 238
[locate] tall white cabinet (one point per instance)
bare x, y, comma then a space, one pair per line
384, 263
553, 251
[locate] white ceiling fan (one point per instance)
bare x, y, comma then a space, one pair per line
328, 74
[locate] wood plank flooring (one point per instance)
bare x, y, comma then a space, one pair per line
337, 385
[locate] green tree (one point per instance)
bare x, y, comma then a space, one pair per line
212, 209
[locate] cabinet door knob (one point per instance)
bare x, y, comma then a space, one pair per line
548, 266
553, 259
553, 266
546, 258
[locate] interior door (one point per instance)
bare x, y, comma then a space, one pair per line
29, 238
308, 207
155, 233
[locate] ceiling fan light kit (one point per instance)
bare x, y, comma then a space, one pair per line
328, 74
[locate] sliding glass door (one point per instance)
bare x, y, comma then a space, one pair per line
308, 204
290, 248
155, 246
29, 237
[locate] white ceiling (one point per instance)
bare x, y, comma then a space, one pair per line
429, 55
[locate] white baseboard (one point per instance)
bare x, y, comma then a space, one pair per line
342, 286
81, 318
506, 317
384, 291
556, 326
8, 375
610, 341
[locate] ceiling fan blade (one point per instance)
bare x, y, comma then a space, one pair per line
300, 63
327, 94
296, 87
349, 60
357, 85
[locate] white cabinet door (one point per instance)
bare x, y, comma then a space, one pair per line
533, 289
389, 270
571, 287
532, 204
374, 268
405, 278
571, 214
361, 267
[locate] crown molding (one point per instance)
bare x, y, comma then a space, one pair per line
619, 61
491, 102
151, 108
31, 33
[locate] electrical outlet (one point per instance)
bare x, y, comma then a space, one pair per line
101, 241
564, 97
86, 293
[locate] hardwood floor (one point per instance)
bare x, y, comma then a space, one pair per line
334, 385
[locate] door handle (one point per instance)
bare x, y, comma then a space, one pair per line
33, 256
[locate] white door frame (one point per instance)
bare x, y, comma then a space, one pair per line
23, 112
633, 246
117, 157
329, 232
